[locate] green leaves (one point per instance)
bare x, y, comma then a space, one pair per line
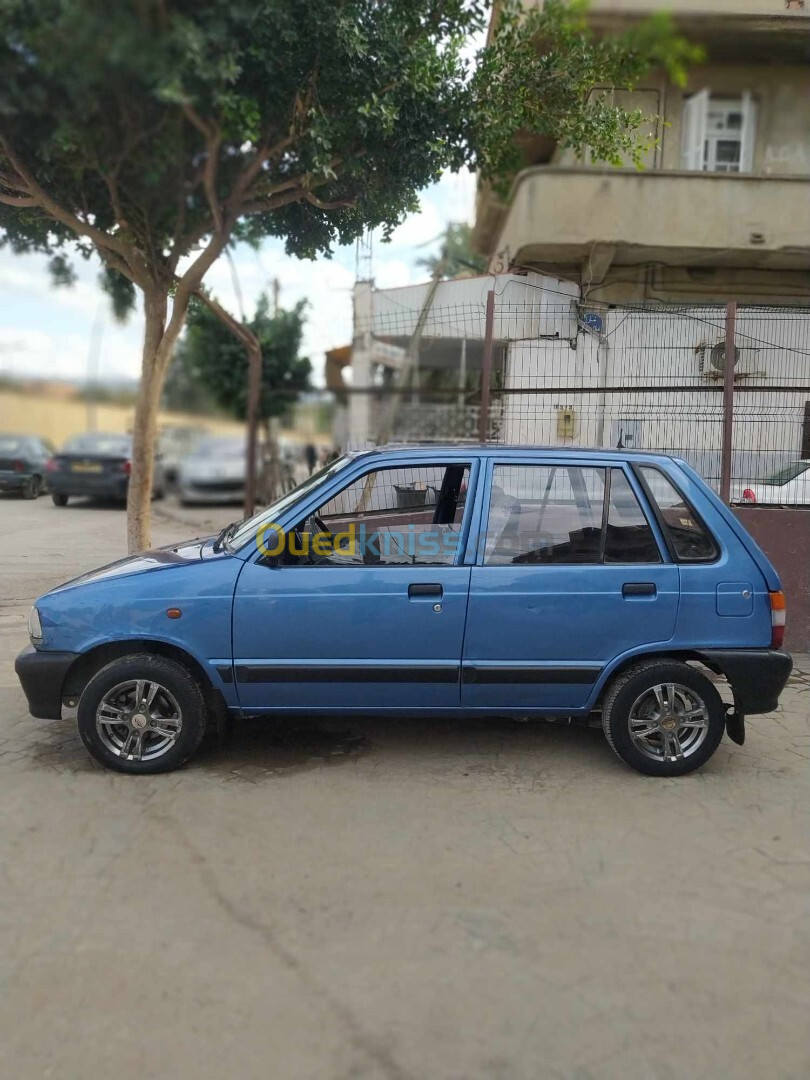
155, 128
212, 360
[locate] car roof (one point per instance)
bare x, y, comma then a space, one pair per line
510, 450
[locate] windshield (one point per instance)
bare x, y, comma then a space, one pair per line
10, 444
790, 472
105, 445
248, 529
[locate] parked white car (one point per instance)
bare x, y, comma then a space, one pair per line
790, 486
214, 472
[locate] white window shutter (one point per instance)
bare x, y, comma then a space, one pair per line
749, 132
693, 127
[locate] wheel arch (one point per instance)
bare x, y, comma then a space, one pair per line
85, 666
693, 656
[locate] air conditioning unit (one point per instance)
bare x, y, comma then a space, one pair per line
712, 361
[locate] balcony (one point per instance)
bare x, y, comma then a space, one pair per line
758, 30
559, 218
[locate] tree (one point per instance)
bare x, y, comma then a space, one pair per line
211, 359
157, 132
456, 257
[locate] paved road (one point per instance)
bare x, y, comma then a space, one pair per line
391, 899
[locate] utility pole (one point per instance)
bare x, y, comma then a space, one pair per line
276, 295
486, 369
730, 351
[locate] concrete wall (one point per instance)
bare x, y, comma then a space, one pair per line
57, 419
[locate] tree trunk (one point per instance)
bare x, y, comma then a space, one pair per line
139, 498
158, 346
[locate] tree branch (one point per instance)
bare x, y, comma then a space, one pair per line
194, 118
335, 204
18, 200
101, 239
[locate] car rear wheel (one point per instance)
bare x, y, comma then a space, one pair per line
32, 487
142, 714
663, 717
59, 500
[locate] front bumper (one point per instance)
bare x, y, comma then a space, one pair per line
757, 676
42, 675
208, 494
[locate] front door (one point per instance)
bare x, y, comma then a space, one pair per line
365, 609
570, 575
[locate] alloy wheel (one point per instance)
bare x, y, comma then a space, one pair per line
139, 720
668, 722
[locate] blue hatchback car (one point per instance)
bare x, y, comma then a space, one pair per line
459, 580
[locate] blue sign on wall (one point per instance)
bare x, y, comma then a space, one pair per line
593, 321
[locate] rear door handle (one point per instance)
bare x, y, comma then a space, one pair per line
425, 590
638, 588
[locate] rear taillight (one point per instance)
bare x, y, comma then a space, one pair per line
126, 467
748, 496
18, 466
777, 619
51, 465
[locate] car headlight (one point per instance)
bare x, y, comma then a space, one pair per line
34, 627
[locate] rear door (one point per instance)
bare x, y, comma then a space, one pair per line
570, 573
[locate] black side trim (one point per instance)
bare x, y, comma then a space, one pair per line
42, 675
252, 673
472, 674
225, 672
757, 676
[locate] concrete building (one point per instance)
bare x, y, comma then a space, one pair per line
722, 209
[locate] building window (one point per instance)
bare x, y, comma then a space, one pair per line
718, 133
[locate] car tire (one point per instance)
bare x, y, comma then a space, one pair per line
58, 499
32, 487
122, 735
663, 718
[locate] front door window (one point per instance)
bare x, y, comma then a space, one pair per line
409, 516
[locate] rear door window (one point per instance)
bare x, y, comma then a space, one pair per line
545, 514
557, 514
629, 538
688, 537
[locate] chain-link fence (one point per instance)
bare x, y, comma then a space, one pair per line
565, 373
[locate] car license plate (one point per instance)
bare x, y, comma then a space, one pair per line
86, 467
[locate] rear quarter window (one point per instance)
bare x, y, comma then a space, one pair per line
688, 537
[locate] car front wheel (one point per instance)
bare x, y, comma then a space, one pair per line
663, 717
142, 714
59, 499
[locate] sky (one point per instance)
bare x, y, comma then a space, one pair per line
47, 330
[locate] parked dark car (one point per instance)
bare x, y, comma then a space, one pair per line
570, 584
96, 465
23, 459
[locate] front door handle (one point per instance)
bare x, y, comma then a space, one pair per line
638, 588
421, 589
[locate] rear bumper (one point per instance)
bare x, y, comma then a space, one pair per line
13, 481
757, 676
42, 675
101, 487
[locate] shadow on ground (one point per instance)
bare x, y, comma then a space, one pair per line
259, 748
